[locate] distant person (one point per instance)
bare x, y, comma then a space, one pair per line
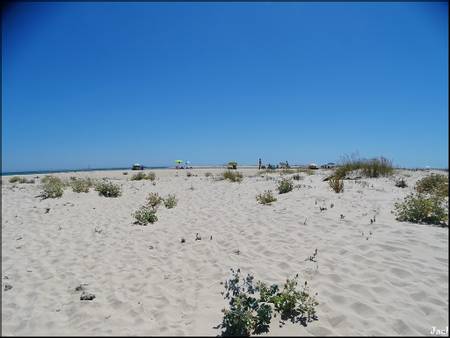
259, 164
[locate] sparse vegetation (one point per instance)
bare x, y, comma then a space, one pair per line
232, 165
170, 201
336, 184
145, 215
154, 200
285, 185
108, 189
208, 174
142, 176
266, 197
419, 208
251, 306
297, 177
307, 171
81, 185
52, 187
18, 179
435, 184
374, 167
232, 176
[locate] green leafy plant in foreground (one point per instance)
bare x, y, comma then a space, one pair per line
251, 306
52, 187
145, 215
418, 208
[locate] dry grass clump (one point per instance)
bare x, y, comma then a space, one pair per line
52, 187
285, 185
170, 201
336, 184
142, 176
266, 197
435, 184
108, 189
233, 176
81, 185
419, 208
154, 200
374, 167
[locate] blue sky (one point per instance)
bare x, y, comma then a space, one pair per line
111, 84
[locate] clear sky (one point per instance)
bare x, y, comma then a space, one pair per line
111, 84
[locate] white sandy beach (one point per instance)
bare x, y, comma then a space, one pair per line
386, 278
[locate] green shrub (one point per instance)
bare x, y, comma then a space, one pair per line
266, 197
108, 189
232, 176
374, 167
170, 201
336, 184
52, 187
154, 200
18, 179
81, 185
285, 185
151, 176
419, 208
145, 215
435, 184
251, 307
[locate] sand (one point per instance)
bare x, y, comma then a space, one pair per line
385, 278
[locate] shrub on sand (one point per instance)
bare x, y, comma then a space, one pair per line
435, 184
374, 167
170, 201
52, 187
18, 179
154, 200
142, 176
145, 215
108, 189
285, 185
418, 208
232, 176
81, 185
266, 197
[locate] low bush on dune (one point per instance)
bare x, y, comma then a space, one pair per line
374, 167
435, 184
18, 179
145, 215
170, 201
401, 183
108, 189
266, 197
285, 185
154, 200
81, 185
52, 187
251, 305
233, 176
142, 176
336, 184
419, 208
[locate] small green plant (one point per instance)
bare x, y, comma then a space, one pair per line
232, 176
266, 197
145, 215
418, 208
52, 187
108, 189
81, 185
435, 184
154, 200
251, 306
142, 176
336, 183
170, 201
18, 179
285, 185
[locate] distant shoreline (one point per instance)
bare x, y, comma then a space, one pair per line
34, 172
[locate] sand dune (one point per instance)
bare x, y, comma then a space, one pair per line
385, 278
